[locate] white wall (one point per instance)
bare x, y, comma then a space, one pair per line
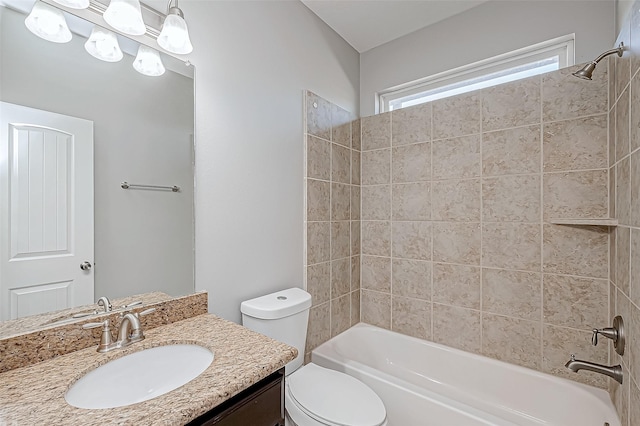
623, 8
253, 61
488, 30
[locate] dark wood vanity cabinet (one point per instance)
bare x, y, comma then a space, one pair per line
262, 404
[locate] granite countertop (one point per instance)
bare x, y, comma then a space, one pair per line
35, 394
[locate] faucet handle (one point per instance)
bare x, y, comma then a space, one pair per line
106, 340
147, 312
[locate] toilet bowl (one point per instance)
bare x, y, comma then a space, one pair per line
314, 395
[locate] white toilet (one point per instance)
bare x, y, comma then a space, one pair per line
314, 395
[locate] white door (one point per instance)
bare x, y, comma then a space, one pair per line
46, 211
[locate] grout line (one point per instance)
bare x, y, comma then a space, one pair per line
481, 223
541, 283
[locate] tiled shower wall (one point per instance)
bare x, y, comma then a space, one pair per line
624, 162
332, 219
458, 196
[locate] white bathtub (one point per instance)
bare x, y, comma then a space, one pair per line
423, 383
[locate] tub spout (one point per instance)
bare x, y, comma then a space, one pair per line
575, 365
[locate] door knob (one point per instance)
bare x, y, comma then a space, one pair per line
85, 266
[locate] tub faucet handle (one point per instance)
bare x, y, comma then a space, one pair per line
615, 333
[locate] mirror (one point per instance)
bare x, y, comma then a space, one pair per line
143, 129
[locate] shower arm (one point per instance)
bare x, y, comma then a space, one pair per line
618, 50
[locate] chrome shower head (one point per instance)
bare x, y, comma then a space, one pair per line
586, 72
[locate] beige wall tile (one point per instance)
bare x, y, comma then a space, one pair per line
411, 317
512, 293
457, 285
376, 131
575, 250
411, 240
318, 116
456, 200
376, 273
623, 64
633, 323
356, 247
340, 201
355, 273
319, 326
511, 199
411, 163
355, 167
355, 202
411, 278
634, 405
622, 126
376, 238
612, 192
511, 246
411, 125
375, 308
376, 167
624, 309
341, 126
356, 139
511, 151
456, 243
612, 256
376, 202
318, 158
623, 191
623, 256
456, 116
558, 345
456, 327
634, 40
340, 164
634, 113
355, 307
511, 104
581, 194
612, 136
611, 70
318, 200
456, 158
340, 314
411, 201
565, 97
340, 239
340, 277
318, 242
319, 282
634, 275
580, 303
620, 397
512, 340
634, 189
576, 144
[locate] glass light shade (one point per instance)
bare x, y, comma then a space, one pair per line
148, 62
174, 36
125, 16
74, 4
103, 44
48, 23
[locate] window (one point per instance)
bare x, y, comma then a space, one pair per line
533, 60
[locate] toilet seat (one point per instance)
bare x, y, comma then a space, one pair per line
333, 398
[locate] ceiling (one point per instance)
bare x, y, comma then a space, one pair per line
365, 24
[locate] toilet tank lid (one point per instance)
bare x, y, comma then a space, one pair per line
277, 305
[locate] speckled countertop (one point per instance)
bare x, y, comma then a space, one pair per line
35, 394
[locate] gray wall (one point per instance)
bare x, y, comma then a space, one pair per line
254, 60
487, 30
142, 128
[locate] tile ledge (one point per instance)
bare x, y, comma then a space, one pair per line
587, 222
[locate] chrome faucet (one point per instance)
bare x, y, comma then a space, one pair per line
105, 303
130, 331
575, 365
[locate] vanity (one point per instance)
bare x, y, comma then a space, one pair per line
242, 385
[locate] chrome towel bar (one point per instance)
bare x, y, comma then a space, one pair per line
126, 185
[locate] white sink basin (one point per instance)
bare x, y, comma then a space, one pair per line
139, 377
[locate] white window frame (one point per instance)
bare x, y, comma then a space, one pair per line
562, 47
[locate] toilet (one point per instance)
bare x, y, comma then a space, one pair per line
314, 395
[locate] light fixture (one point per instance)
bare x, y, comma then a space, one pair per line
103, 44
125, 16
148, 62
74, 4
174, 36
48, 23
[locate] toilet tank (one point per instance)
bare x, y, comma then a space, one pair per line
283, 316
